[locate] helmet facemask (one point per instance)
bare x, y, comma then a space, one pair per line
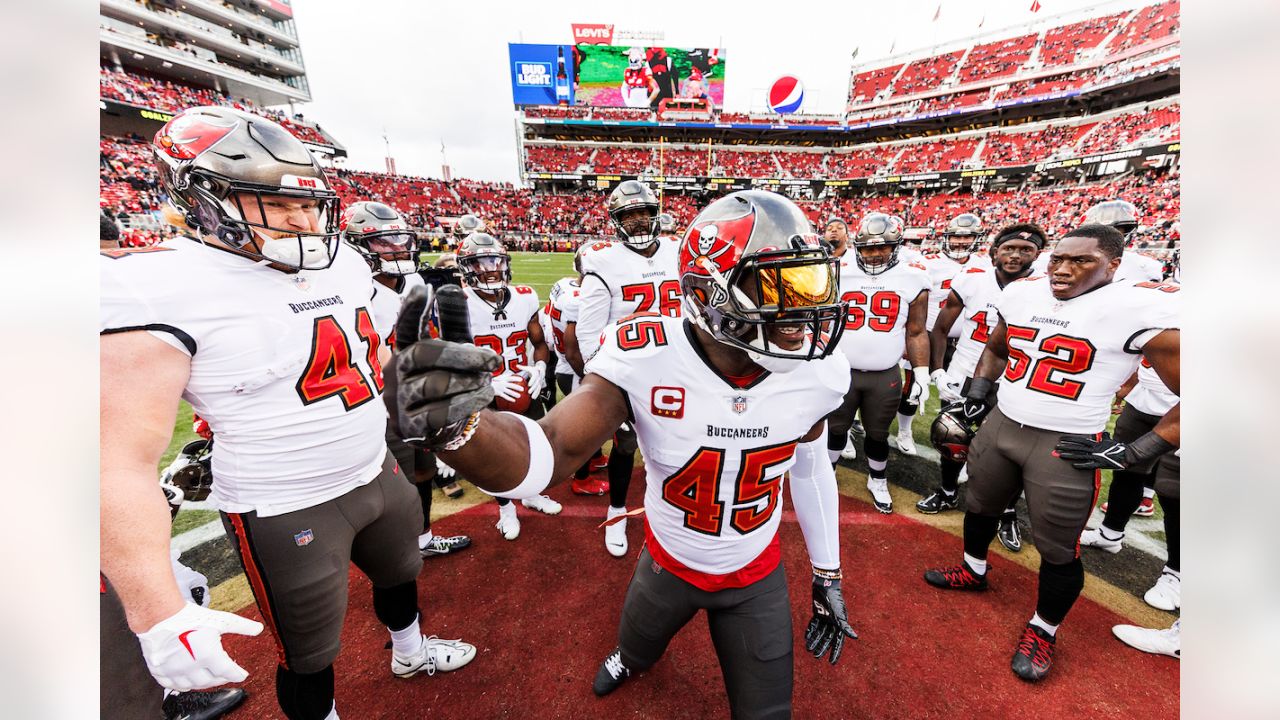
641, 240
475, 268
879, 266
962, 253
390, 252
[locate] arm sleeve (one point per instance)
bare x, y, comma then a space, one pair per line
593, 314
817, 502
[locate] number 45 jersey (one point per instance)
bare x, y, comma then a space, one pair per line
284, 367
714, 452
1067, 358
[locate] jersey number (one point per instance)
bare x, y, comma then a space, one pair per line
695, 489
331, 369
635, 332
514, 340
1066, 355
557, 335
981, 332
883, 310
667, 295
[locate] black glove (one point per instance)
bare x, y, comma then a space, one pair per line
975, 405
830, 623
1085, 452
434, 387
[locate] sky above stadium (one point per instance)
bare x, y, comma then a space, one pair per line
428, 73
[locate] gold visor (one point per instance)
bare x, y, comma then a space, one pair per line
798, 286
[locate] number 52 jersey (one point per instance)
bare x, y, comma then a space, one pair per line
714, 452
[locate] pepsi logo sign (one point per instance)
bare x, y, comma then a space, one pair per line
786, 95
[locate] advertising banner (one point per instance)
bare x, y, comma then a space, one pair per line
541, 74
592, 34
642, 77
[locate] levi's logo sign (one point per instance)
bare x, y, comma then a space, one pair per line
667, 402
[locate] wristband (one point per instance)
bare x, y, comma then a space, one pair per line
827, 574
541, 463
1146, 447
979, 389
468, 430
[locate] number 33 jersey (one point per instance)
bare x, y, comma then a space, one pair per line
1067, 358
714, 452
504, 331
284, 367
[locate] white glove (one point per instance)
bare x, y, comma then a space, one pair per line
536, 374
919, 393
947, 392
184, 651
191, 584
444, 471
507, 386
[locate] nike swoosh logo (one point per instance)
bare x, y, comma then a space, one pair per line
182, 638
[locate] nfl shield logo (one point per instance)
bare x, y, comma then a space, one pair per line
740, 404
304, 538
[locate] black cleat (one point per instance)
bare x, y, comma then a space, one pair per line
1034, 656
445, 545
1008, 533
938, 502
958, 577
611, 674
202, 704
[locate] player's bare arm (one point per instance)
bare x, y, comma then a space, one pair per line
917, 338
1164, 352
572, 351
947, 316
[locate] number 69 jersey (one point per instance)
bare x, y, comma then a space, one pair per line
875, 330
1067, 358
504, 331
714, 452
284, 367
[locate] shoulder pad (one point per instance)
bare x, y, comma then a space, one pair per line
523, 289
976, 270
117, 253
918, 266
1029, 278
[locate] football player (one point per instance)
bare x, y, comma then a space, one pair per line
724, 403
971, 311
263, 324
382, 235
1063, 344
638, 273
836, 233
638, 86
1123, 216
504, 318
888, 303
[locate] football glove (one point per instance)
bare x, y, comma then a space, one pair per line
184, 651
443, 470
536, 374
975, 406
506, 386
191, 583
830, 624
436, 388
947, 392
919, 393
1106, 453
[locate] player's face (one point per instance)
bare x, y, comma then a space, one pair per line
395, 246
876, 254
802, 286
1077, 266
282, 215
636, 221
1015, 256
838, 235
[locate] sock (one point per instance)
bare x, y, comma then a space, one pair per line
979, 531
1060, 585
877, 467
904, 424
333, 713
979, 567
1040, 623
1109, 534
306, 696
833, 456
615, 512
1148, 492
1172, 531
619, 471
425, 539
502, 502
397, 606
408, 640
950, 475
877, 456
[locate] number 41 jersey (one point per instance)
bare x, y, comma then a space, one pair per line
1067, 358
714, 452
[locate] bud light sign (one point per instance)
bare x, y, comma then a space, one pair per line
541, 74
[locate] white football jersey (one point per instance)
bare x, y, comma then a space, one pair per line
979, 290
1067, 358
875, 331
386, 302
942, 270
1151, 395
906, 253
504, 331
561, 309
618, 281
714, 453
1134, 267
284, 367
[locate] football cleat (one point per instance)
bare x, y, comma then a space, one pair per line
879, 489
611, 674
1146, 508
434, 654
1095, 538
957, 577
1034, 656
201, 704
850, 451
542, 504
906, 444
439, 545
589, 486
1166, 594
938, 502
599, 463
1157, 642
1008, 533
453, 490
508, 523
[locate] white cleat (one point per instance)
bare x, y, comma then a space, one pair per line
508, 523
1157, 642
615, 535
906, 444
435, 654
964, 475
880, 497
1166, 594
1094, 538
850, 451
542, 504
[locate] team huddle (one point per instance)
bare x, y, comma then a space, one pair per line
742, 359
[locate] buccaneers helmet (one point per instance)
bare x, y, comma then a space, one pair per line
1119, 214
382, 236
756, 277
629, 195
468, 224
878, 229
666, 224
964, 226
951, 434
190, 471
484, 263
215, 163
